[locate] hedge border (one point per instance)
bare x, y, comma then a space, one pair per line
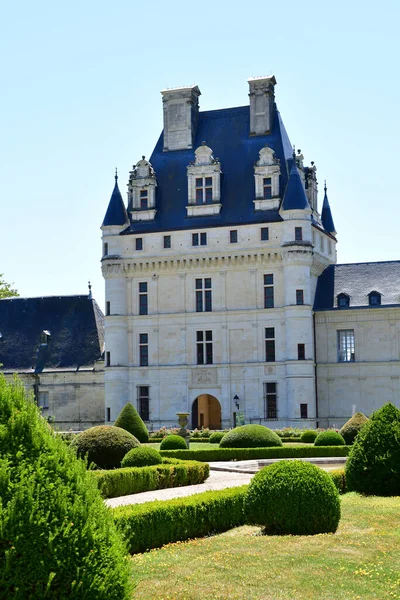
225, 454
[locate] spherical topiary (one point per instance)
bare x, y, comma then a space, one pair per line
130, 420
58, 538
105, 445
293, 497
329, 438
373, 465
250, 436
350, 429
308, 436
173, 442
216, 437
141, 457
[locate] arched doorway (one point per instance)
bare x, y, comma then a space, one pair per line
206, 412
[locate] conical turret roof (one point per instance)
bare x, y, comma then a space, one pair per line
326, 215
295, 197
116, 212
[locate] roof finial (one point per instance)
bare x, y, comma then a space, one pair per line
325, 188
90, 290
116, 175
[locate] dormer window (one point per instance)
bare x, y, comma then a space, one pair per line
142, 191
204, 183
343, 301
45, 337
266, 175
374, 298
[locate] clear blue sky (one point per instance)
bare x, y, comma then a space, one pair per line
80, 85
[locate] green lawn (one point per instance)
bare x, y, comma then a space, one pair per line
360, 562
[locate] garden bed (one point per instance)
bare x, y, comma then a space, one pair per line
226, 454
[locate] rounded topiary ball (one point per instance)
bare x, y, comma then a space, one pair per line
293, 497
353, 426
329, 438
216, 437
308, 436
250, 436
105, 445
141, 457
173, 442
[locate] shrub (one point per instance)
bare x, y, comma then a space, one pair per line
153, 524
373, 466
173, 442
308, 436
339, 479
141, 457
133, 480
252, 453
130, 420
58, 539
293, 497
216, 437
329, 438
250, 436
350, 429
105, 445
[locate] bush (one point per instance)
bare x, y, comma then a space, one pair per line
216, 437
130, 420
329, 438
309, 436
373, 466
153, 524
104, 445
58, 540
250, 436
141, 457
339, 479
253, 453
350, 429
133, 480
292, 497
173, 442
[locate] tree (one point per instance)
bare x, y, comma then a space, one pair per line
6, 291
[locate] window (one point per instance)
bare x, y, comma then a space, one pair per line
301, 352
139, 243
143, 299
45, 337
204, 347
108, 410
203, 295
322, 243
345, 345
268, 291
303, 411
108, 359
143, 350
267, 188
264, 234
199, 239
270, 400
143, 402
343, 300
108, 308
298, 234
105, 249
233, 236
144, 199
43, 400
329, 247
269, 344
299, 297
204, 190
167, 241
374, 299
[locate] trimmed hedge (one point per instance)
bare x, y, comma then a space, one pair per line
141, 457
250, 436
133, 480
153, 524
104, 445
216, 437
218, 454
309, 436
173, 442
130, 420
339, 479
291, 440
352, 427
329, 438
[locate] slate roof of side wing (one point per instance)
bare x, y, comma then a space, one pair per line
75, 323
226, 132
357, 280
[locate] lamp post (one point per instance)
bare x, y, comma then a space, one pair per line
236, 401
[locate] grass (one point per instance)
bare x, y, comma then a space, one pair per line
360, 561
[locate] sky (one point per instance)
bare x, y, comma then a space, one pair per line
80, 95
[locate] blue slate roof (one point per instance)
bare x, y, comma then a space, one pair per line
357, 280
226, 132
295, 197
116, 212
326, 215
75, 323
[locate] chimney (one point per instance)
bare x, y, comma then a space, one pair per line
181, 108
262, 98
